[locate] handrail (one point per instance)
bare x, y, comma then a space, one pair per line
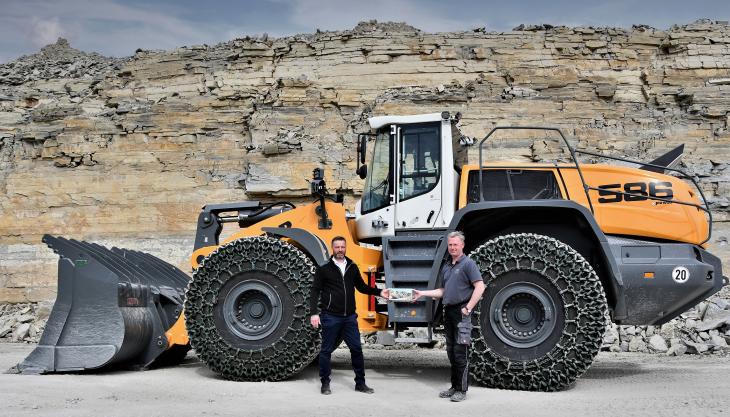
586, 188
550, 129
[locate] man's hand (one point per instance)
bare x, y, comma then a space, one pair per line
314, 320
437, 293
465, 311
385, 293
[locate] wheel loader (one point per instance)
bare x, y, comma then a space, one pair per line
562, 248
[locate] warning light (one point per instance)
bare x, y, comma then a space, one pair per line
648, 275
413, 312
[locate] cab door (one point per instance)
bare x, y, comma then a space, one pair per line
418, 176
377, 205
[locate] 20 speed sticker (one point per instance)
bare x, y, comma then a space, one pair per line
680, 274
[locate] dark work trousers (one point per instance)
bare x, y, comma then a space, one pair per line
346, 328
458, 354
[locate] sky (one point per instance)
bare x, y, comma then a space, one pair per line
119, 27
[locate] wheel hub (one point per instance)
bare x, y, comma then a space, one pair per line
252, 310
256, 310
522, 315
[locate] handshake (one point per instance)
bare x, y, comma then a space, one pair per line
401, 294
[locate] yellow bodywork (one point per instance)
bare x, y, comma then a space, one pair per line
177, 334
647, 218
304, 217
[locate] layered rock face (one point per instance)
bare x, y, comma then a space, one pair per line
126, 151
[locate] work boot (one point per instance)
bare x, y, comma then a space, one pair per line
364, 388
325, 390
448, 393
458, 396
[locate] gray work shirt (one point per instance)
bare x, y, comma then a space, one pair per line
457, 279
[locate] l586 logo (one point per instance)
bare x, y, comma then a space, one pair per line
639, 191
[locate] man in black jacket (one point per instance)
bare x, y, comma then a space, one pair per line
334, 288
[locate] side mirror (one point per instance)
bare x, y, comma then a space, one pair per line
362, 144
362, 172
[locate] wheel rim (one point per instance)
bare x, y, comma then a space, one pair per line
522, 315
252, 310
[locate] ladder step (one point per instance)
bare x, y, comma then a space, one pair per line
423, 278
407, 258
408, 261
412, 340
413, 239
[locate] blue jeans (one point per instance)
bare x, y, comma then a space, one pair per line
345, 328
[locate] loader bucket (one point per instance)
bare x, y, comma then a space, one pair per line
112, 309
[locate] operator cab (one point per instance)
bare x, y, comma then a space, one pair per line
411, 181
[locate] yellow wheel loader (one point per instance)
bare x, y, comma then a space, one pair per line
561, 247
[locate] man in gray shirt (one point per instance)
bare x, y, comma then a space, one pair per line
461, 288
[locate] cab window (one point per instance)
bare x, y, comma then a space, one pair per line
378, 185
420, 160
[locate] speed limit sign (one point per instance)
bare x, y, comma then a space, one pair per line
680, 274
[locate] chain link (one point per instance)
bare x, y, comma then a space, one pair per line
582, 300
293, 350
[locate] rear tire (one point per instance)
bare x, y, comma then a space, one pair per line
541, 321
247, 310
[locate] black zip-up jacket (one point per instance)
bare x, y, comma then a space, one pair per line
335, 291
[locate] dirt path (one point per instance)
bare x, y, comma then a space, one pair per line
406, 383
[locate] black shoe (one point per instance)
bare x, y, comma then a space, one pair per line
325, 390
447, 393
364, 388
458, 396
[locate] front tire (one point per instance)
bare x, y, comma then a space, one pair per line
541, 321
247, 311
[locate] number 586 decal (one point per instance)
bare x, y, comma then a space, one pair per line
639, 191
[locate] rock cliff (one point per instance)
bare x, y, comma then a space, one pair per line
126, 151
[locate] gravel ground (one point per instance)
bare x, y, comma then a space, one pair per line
406, 383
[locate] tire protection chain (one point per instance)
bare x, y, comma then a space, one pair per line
284, 357
584, 305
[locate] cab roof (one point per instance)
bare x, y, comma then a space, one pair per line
379, 121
